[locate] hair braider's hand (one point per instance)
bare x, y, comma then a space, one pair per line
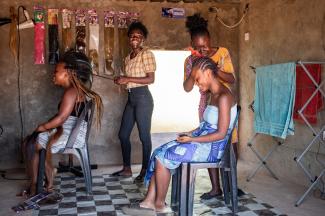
41, 128
122, 80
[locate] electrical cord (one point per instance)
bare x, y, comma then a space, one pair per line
323, 32
20, 107
3, 175
22, 129
216, 10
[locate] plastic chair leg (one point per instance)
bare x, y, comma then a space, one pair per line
233, 180
191, 189
175, 192
86, 169
41, 171
225, 185
183, 193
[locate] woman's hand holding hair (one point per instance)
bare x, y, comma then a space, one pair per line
122, 80
41, 128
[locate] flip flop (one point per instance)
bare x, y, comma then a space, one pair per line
207, 196
139, 179
137, 210
119, 174
165, 210
240, 192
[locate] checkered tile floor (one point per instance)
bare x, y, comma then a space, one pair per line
110, 194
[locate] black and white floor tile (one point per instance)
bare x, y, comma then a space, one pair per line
111, 194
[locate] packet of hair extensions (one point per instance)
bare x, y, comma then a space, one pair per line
39, 35
67, 40
133, 17
80, 31
122, 18
52, 16
93, 39
109, 23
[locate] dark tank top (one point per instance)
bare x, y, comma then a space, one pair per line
77, 110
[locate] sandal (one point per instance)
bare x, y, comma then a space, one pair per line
207, 196
120, 174
139, 179
138, 210
240, 192
165, 210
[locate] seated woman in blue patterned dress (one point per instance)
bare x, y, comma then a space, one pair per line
204, 144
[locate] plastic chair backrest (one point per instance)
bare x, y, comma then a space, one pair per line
86, 115
225, 159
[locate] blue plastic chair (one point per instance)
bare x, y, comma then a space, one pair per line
183, 181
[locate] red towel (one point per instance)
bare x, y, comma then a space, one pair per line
304, 89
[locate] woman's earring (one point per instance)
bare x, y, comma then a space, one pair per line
142, 43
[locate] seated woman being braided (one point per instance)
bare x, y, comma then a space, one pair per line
203, 144
72, 73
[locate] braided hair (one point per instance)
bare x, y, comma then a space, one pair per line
197, 26
79, 67
204, 63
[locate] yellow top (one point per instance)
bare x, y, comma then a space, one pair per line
222, 58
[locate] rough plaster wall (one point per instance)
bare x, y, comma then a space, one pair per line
40, 97
280, 31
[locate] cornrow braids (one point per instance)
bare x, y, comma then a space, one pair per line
204, 63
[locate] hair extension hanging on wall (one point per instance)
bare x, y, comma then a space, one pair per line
13, 34
123, 38
39, 35
67, 38
80, 31
133, 16
53, 34
109, 23
93, 40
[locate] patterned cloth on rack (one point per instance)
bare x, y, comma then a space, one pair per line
304, 90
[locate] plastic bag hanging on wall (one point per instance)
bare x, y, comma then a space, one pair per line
52, 16
80, 31
39, 35
93, 39
67, 38
122, 18
109, 23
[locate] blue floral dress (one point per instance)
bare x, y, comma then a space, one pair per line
173, 153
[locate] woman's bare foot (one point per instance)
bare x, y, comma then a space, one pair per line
49, 183
32, 190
